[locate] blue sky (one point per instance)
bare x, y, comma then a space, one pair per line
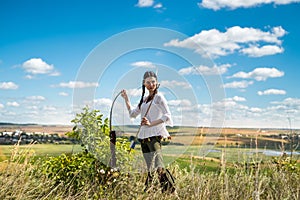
242, 72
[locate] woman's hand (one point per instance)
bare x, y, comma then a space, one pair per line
124, 94
145, 122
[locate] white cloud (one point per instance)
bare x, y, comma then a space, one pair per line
225, 103
64, 94
240, 115
8, 86
184, 112
249, 41
260, 74
77, 84
183, 103
134, 92
149, 3
293, 102
36, 98
238, 84
32, 107
104, 105
145, 3
219, 4
13, 104
237, 98
145, 64
272, 91
289, 107
205, 70
32, 113
55, 73
159, 5
12, 114
254, 51
1, 106
255, 110
46, 115
103, 102
173, 83
38, 66
29, 77
49, 108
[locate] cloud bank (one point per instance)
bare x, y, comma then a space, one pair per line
247, 41
234, 4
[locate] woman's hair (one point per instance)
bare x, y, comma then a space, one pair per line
147, 75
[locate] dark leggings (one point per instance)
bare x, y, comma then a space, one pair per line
151, 148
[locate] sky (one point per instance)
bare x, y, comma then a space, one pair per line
219, 63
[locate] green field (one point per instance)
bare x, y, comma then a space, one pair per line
204, 158
38, 149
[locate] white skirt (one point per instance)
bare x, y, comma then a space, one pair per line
158, 130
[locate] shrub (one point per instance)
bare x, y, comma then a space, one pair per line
93, 132
286, 163
78, 170
91, 166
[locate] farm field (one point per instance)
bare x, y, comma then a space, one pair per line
38, 150
171, 152
59, 129
238, 144
203, 161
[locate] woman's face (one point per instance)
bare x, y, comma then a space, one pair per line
150, 83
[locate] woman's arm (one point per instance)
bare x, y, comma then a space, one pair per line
127, 101
166, 114
132, 112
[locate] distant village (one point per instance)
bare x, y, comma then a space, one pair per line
22, 137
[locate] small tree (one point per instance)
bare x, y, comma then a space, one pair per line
91, 165
93, 132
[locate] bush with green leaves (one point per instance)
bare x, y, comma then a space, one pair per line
286, 163
77, 170
92, 164
93, 132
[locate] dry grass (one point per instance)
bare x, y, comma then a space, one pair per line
21, 178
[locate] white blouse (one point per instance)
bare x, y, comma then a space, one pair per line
158, 110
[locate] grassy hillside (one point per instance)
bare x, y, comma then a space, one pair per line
207, 164
22, 177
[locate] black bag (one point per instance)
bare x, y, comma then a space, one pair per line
167, 182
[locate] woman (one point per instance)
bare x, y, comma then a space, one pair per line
155, 115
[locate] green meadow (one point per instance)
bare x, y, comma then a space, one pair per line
225, 164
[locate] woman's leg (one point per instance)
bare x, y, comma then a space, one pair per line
147, 155
148, 159
165, 178
156, 154
153, 156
